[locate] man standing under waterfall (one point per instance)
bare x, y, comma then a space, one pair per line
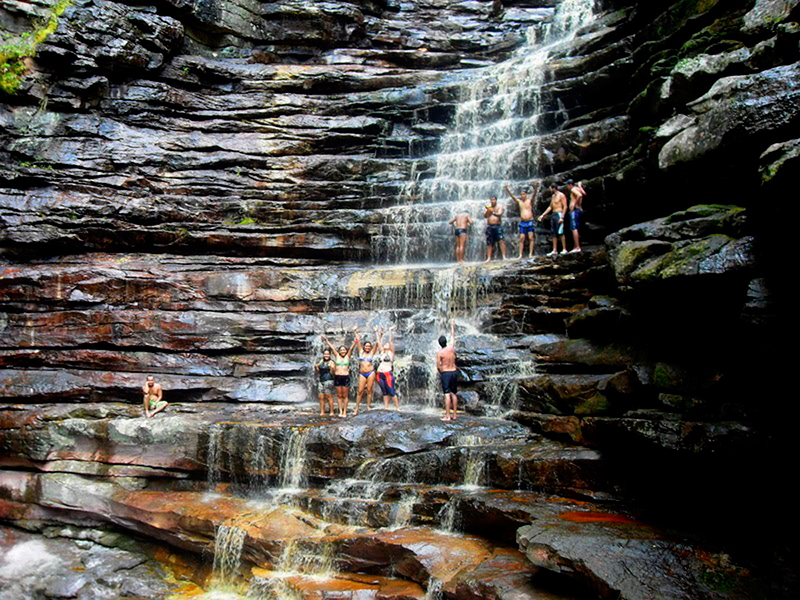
493, 213
448, 373
576, 194
462, 222
526, 226
153, 397
558, 206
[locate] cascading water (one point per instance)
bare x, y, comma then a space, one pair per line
495, 138
228, 544
293, 461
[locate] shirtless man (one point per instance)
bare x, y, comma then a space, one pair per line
462, 222
493, 213
558, 206
153, 397
576, 194
446, 365
526, 226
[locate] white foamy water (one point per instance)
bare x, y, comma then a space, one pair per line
27, 559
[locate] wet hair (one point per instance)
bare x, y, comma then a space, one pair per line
324, 352
442, 341
492, 197
342, 348
367, 342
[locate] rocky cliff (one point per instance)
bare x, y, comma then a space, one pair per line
197, 189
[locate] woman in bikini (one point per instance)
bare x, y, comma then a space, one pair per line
341, 372
385, 375
366, 373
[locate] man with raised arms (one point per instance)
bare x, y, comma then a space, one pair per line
154, 401
448, 373
558, 206
576, 194
462, 222
526, 225
493, 213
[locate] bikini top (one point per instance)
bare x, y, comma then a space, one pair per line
365, 359
342, 361
387, 357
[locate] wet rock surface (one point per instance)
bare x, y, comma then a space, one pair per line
195, 189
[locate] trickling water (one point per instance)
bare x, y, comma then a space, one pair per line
214, 455
293, 461
228, 544
449, 517
495, 138
434, 591
475, 463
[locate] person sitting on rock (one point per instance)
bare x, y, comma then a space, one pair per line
448, 373
576, 194
385, 374
526, 226
366, 372
462, 222
153, 397
341, 373
558, 206
325, 369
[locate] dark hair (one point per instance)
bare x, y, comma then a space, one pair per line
342, 348
492, 197
570, 182
442, 341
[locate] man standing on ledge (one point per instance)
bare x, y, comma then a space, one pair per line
558, 206
576, 194
526, 227
153, 397
462, 221
493, 213
446, 365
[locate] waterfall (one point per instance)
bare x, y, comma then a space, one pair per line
475, 463
494, 138
228, 544
293, 461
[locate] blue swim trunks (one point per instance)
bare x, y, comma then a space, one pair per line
556, 224
575, 217
494, 233
449, 381
460, 232
526, 227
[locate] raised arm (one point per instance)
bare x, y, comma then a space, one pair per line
330, 345
391, 339
508, 191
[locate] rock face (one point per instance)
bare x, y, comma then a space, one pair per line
197, 190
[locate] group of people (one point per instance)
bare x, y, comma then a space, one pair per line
558, 210
376, 363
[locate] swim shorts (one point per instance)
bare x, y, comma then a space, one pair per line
494, 233
459, 232
449, 381
575, 217
325, 386
341, 380
556, 224
525, 227
386, 381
